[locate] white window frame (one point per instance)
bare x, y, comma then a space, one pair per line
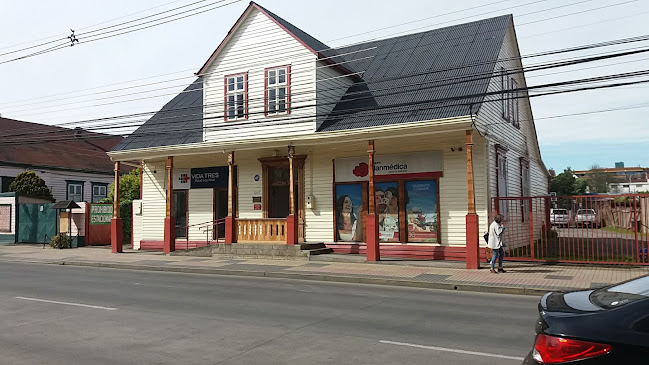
236, 96
513, 103
72, 195
504, 86
97, 197
274, 87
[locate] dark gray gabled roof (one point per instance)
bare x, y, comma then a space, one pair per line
180, 121
404, 78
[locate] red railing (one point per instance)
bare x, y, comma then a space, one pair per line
209, 228
602, 229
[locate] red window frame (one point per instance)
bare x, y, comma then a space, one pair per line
288, 90
245, 95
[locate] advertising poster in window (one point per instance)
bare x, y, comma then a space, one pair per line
421, 208
387, 208
349, 221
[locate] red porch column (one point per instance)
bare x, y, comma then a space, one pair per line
116, 234
170, 222
472, 243
372, 223
230, 228
291, 220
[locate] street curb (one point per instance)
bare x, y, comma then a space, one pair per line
305, 276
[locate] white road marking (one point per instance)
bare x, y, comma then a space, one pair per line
435, 348
67, 303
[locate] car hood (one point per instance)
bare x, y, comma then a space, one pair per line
569, 302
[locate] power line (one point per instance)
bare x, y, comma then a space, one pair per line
493, 12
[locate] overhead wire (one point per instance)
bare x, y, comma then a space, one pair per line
521, 15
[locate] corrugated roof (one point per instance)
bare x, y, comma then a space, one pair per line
402, 80
180, 121
404, 77
59, 148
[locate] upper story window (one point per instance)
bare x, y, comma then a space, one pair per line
236, 96
278, 89
513, 100
504, 99
75, 191
99, 192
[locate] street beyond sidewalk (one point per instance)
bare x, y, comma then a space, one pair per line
521, 278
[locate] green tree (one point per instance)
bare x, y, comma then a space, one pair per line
27, 183
129, 190
566, 183
598, 180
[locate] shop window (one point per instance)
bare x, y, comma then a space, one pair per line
388, 211
350, 212
421, 209
180, 204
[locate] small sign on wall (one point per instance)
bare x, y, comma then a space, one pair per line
256, 206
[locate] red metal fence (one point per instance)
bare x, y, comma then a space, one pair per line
602, 229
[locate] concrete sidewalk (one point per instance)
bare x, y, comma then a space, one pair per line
521, 278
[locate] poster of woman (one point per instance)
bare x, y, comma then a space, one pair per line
349, 222
421, 208
388, 212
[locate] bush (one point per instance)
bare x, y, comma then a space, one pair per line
61, 240
27, 183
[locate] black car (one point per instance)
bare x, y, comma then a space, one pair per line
603, 326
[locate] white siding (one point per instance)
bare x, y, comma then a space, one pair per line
56, 180
154, 200
259, 43
248, 166
331, 86
519, 142
137, 224
200, 210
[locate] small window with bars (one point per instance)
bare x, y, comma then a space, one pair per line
278, 86
236, 97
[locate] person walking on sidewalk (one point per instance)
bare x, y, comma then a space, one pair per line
496, 243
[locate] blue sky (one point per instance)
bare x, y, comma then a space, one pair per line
64, 86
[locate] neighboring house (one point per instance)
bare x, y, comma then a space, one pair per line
620, 179
270, 93
72, 162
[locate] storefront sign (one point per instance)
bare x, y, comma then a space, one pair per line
402, 166
181, 179
204, 177
101, 213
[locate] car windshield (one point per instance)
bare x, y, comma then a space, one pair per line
559, 211
621, 294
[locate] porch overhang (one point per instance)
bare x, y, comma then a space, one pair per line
431, 127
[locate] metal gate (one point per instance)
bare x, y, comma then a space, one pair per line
601, 229
36, 223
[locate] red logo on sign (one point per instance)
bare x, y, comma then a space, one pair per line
257, 206
361, 170
183, 178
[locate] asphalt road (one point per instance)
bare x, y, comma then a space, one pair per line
71, 315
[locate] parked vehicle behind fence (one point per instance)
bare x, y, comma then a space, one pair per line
559, 217
586, 218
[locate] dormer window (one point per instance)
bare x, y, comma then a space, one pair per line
278, 88
236, 97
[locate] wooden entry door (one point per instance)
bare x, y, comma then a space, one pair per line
276, 189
